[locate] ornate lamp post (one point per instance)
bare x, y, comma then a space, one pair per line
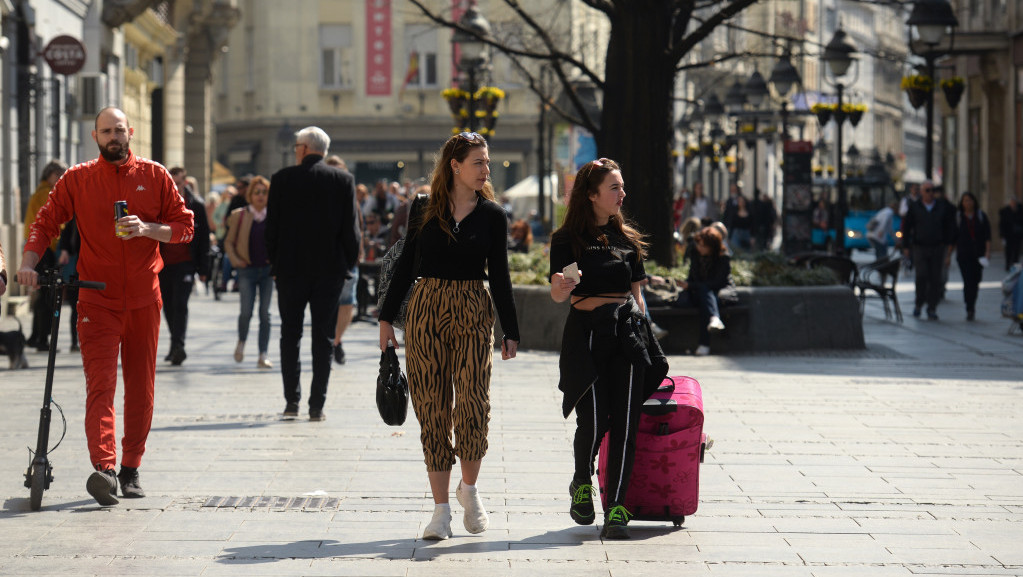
712, 111
756, 93
474, 57
839, 55
783, 77
931, 20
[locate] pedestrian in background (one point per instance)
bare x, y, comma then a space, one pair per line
928, 230
124, 318
312, 239
347, 301
880, 228
765, 222
461, 238
709, 284
70, 246
741, 226
181, 263
972, 248
42, 313
605, 334
238, 200
246, 247
1010, 228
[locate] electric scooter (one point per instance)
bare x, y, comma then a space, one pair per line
40, 472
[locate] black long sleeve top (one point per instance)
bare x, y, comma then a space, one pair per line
934, 227
479, 246
713, 271
311, 224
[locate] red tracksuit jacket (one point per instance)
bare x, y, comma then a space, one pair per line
88, 191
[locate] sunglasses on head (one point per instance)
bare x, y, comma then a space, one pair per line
472, 137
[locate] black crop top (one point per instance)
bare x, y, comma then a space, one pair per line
605, 269
481, 243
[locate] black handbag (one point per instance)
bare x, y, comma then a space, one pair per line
392, 389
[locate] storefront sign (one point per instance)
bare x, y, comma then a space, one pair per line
65, 55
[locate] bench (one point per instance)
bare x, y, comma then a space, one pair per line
683, 326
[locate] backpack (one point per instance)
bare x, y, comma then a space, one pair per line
390, 260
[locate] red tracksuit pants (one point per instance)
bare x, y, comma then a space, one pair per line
104, 334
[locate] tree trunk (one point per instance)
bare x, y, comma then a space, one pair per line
636, 122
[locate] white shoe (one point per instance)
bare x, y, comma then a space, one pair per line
475, 519
263, 362
439, 527
702, 351
239, 352
715, 324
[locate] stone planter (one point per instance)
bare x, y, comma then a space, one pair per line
769, 319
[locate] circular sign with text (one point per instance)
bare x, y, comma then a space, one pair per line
65, 55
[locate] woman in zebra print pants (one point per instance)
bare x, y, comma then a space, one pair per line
460, 238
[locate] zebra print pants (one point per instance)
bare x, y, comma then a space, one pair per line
449, 335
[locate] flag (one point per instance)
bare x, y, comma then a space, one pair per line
413, 68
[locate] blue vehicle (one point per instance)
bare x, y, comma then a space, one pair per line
865, 196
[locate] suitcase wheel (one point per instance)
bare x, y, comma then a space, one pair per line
677, 521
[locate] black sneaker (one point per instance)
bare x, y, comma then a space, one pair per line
130, 487
291, 411
177, 356
582, 503
616, 523
102, 485
339, 354
317, 415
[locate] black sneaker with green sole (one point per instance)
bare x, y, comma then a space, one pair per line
582, 503
616, 522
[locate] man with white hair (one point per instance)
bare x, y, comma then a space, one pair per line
312, 237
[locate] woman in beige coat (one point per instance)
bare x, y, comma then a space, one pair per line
246, 248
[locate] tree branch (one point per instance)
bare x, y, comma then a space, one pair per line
706, 27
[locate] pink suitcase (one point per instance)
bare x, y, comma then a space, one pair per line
665, 483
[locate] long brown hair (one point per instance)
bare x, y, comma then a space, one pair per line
580, 220
442, 182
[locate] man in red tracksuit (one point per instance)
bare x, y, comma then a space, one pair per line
124, 317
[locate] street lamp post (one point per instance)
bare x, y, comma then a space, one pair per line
756, 92
839, 55
931, 20
712, 111
470, 39
783, 77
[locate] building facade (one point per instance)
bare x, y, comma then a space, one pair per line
370, 73
152, 58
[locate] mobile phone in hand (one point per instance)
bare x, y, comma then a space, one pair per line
571, 272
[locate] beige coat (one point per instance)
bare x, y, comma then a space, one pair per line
237, 241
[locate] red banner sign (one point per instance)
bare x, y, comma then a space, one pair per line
378, 48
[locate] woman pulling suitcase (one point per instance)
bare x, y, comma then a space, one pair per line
610, 361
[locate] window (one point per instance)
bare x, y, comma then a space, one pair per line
420, 57
336, 56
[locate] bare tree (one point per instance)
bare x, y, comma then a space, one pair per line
648, 41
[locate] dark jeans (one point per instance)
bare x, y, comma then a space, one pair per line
42, 316
928, 262
880, 249
972, 273
1011, 251
706, 302
176, 282
253, 280
321, 294
611, 406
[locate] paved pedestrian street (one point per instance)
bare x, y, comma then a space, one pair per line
903, 459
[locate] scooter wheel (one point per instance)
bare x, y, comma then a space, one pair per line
38, 485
